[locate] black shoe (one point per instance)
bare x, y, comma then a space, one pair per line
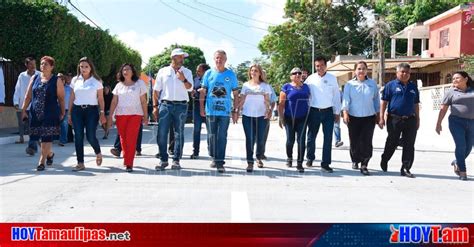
264, 157
49, 160
40, 167
406, 173
194, 156
384, 165
213, 164
300, 168
176, 166
289, 162
30, 151
260, 163
355, 165
158, 155
456, 168
364, 171
326, 168
249, 167
338, 144
309, 163
162, 166
138, 153
115, 152
463, 178
220, 169
129, 169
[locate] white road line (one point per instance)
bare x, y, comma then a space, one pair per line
240, 210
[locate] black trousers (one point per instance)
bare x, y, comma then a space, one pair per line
361, 133
397, 126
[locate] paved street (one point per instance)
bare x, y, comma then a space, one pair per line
273, 194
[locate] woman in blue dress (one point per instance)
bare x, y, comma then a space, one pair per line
46, 95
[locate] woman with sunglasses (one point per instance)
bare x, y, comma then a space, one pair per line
293, 114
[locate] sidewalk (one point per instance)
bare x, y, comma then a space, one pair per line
199, 194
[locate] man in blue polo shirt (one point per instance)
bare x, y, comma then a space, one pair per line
401, 96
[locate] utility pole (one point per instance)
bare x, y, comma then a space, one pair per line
380, 30
312, 53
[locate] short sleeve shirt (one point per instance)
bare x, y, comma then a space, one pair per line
401, 98
297, 100
254, 105
219, 86
85, 91
129, 102
462, 103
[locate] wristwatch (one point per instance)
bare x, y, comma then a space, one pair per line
185, 80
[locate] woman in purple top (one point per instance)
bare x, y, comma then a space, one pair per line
293, 113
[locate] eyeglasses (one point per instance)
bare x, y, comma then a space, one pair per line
296, 73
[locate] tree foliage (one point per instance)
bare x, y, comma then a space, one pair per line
196, 56
43, 27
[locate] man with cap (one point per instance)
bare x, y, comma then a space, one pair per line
172, 85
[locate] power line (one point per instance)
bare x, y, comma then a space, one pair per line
205, 25
231, 13
217, 16
78, 10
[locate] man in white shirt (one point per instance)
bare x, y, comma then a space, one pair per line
2, 89
325, 107
172, 87
20, 91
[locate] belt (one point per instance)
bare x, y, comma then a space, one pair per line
401, 117
174, 101
86, 106
322, 109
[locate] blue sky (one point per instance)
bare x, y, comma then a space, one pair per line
150, 25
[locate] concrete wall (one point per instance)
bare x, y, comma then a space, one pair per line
8, 118
467, 36
454, 24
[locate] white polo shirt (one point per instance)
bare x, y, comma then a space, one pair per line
21, 87
85, 92
170, 86
324, 92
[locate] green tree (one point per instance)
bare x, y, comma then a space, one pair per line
196, 56
333, 27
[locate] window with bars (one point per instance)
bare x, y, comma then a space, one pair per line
444, 38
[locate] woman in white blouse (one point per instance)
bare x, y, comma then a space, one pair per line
129, 106
255, 106
87, 108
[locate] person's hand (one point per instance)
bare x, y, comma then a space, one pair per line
180, 75
102, 119
235, 117
439, 128
23, 115
110, 122
381, 123
337, 118
346, 119
202, 112
145, 120
61, 116
281, 122
69, 120
17, 107
268, 114
155, 113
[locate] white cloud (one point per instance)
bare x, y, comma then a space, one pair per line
149, 45
268, 11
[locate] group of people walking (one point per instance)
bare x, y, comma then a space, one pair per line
305, 106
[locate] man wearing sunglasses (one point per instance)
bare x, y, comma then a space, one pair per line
325, 107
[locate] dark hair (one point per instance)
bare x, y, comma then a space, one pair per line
403, 66
303, 69
88, 61
29, 59
321, 58
361, 62
134, 72
204, 66
470, 82
48, 59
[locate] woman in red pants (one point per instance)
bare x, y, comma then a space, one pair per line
130, 109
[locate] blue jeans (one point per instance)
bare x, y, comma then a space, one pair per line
85, 118
462, 130
254, 128
64, 128
171, 113
198, 120
295, 126
138, 147
317, 118
337, 131
217, 135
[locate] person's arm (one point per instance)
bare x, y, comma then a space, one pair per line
281, 109
60, 93
376, 101
16, 95
72, 97
113, 106
336, 102
383, 107
442, 113
184, 77
145, 109
28, 96
202, 98
235, 115
417, 115
346, 101
156, 104
100, 98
